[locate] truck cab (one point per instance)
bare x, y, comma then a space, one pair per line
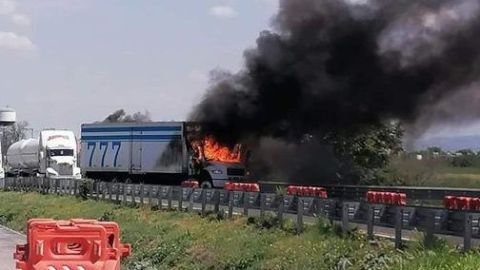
221, 172
218, 164
58, 154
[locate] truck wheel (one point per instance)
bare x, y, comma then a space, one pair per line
206, 184
206, 180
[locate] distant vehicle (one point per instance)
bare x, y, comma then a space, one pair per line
8, 117
156, 152
53, 155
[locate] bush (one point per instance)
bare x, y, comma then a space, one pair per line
463, 161
85, 188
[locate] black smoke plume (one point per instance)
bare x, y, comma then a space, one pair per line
333, 65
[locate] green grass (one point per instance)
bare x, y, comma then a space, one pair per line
174, 240
439, 173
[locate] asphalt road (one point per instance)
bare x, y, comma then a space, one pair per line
8, 240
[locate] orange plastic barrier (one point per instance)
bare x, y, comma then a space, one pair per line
245, 187
461, 203
75, 244
307, 191
386, 197
190, 184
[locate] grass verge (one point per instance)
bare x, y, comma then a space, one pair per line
174, 240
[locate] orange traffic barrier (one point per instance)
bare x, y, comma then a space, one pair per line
461, 203
307, 191
245, 187
192, 183
74, 244
386, 197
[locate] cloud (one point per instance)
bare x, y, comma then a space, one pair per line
223, 11
21, 19
13, 41
7, 7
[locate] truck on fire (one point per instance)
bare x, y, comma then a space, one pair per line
157, 152
52, 155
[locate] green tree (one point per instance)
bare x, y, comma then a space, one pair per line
366, 152
12, 134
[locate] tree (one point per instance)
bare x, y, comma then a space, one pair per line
120, 116
365, 153
12, 134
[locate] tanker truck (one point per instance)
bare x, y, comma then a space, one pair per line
157, 152
53, 155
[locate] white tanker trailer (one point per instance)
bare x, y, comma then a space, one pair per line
53, 154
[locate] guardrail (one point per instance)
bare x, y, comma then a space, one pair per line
357, 192
430, 220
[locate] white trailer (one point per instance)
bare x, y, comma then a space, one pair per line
158, 152
53, 154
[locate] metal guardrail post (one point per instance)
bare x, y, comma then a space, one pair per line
141, 194
125, 190
170, 195
428, 239
370, 223
398, 226
216, 201
89, 190
117, 193
102, 184
230, 204
280, 210
467, 234
150, 195
245, 204
180, 200
299, 215
345, 225
110, 191
160, 197
204, 202
97, 190
263, 201
75, 188
190, 201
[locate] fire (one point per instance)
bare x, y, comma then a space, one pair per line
215, 151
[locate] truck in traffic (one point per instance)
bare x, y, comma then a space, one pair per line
156, 152
53, 155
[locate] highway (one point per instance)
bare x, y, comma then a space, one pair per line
8, 240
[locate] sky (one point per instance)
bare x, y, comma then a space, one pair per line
68, 62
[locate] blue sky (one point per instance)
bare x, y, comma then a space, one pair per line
67, 62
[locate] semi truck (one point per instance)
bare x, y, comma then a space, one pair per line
156, 152
52, 155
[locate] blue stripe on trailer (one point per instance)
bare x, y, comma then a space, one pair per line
132, 137
139, 128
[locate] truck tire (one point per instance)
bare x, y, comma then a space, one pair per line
206, 185
206, 180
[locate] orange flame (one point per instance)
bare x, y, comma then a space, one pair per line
215, 151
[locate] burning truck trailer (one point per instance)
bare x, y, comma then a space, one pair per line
158, 153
